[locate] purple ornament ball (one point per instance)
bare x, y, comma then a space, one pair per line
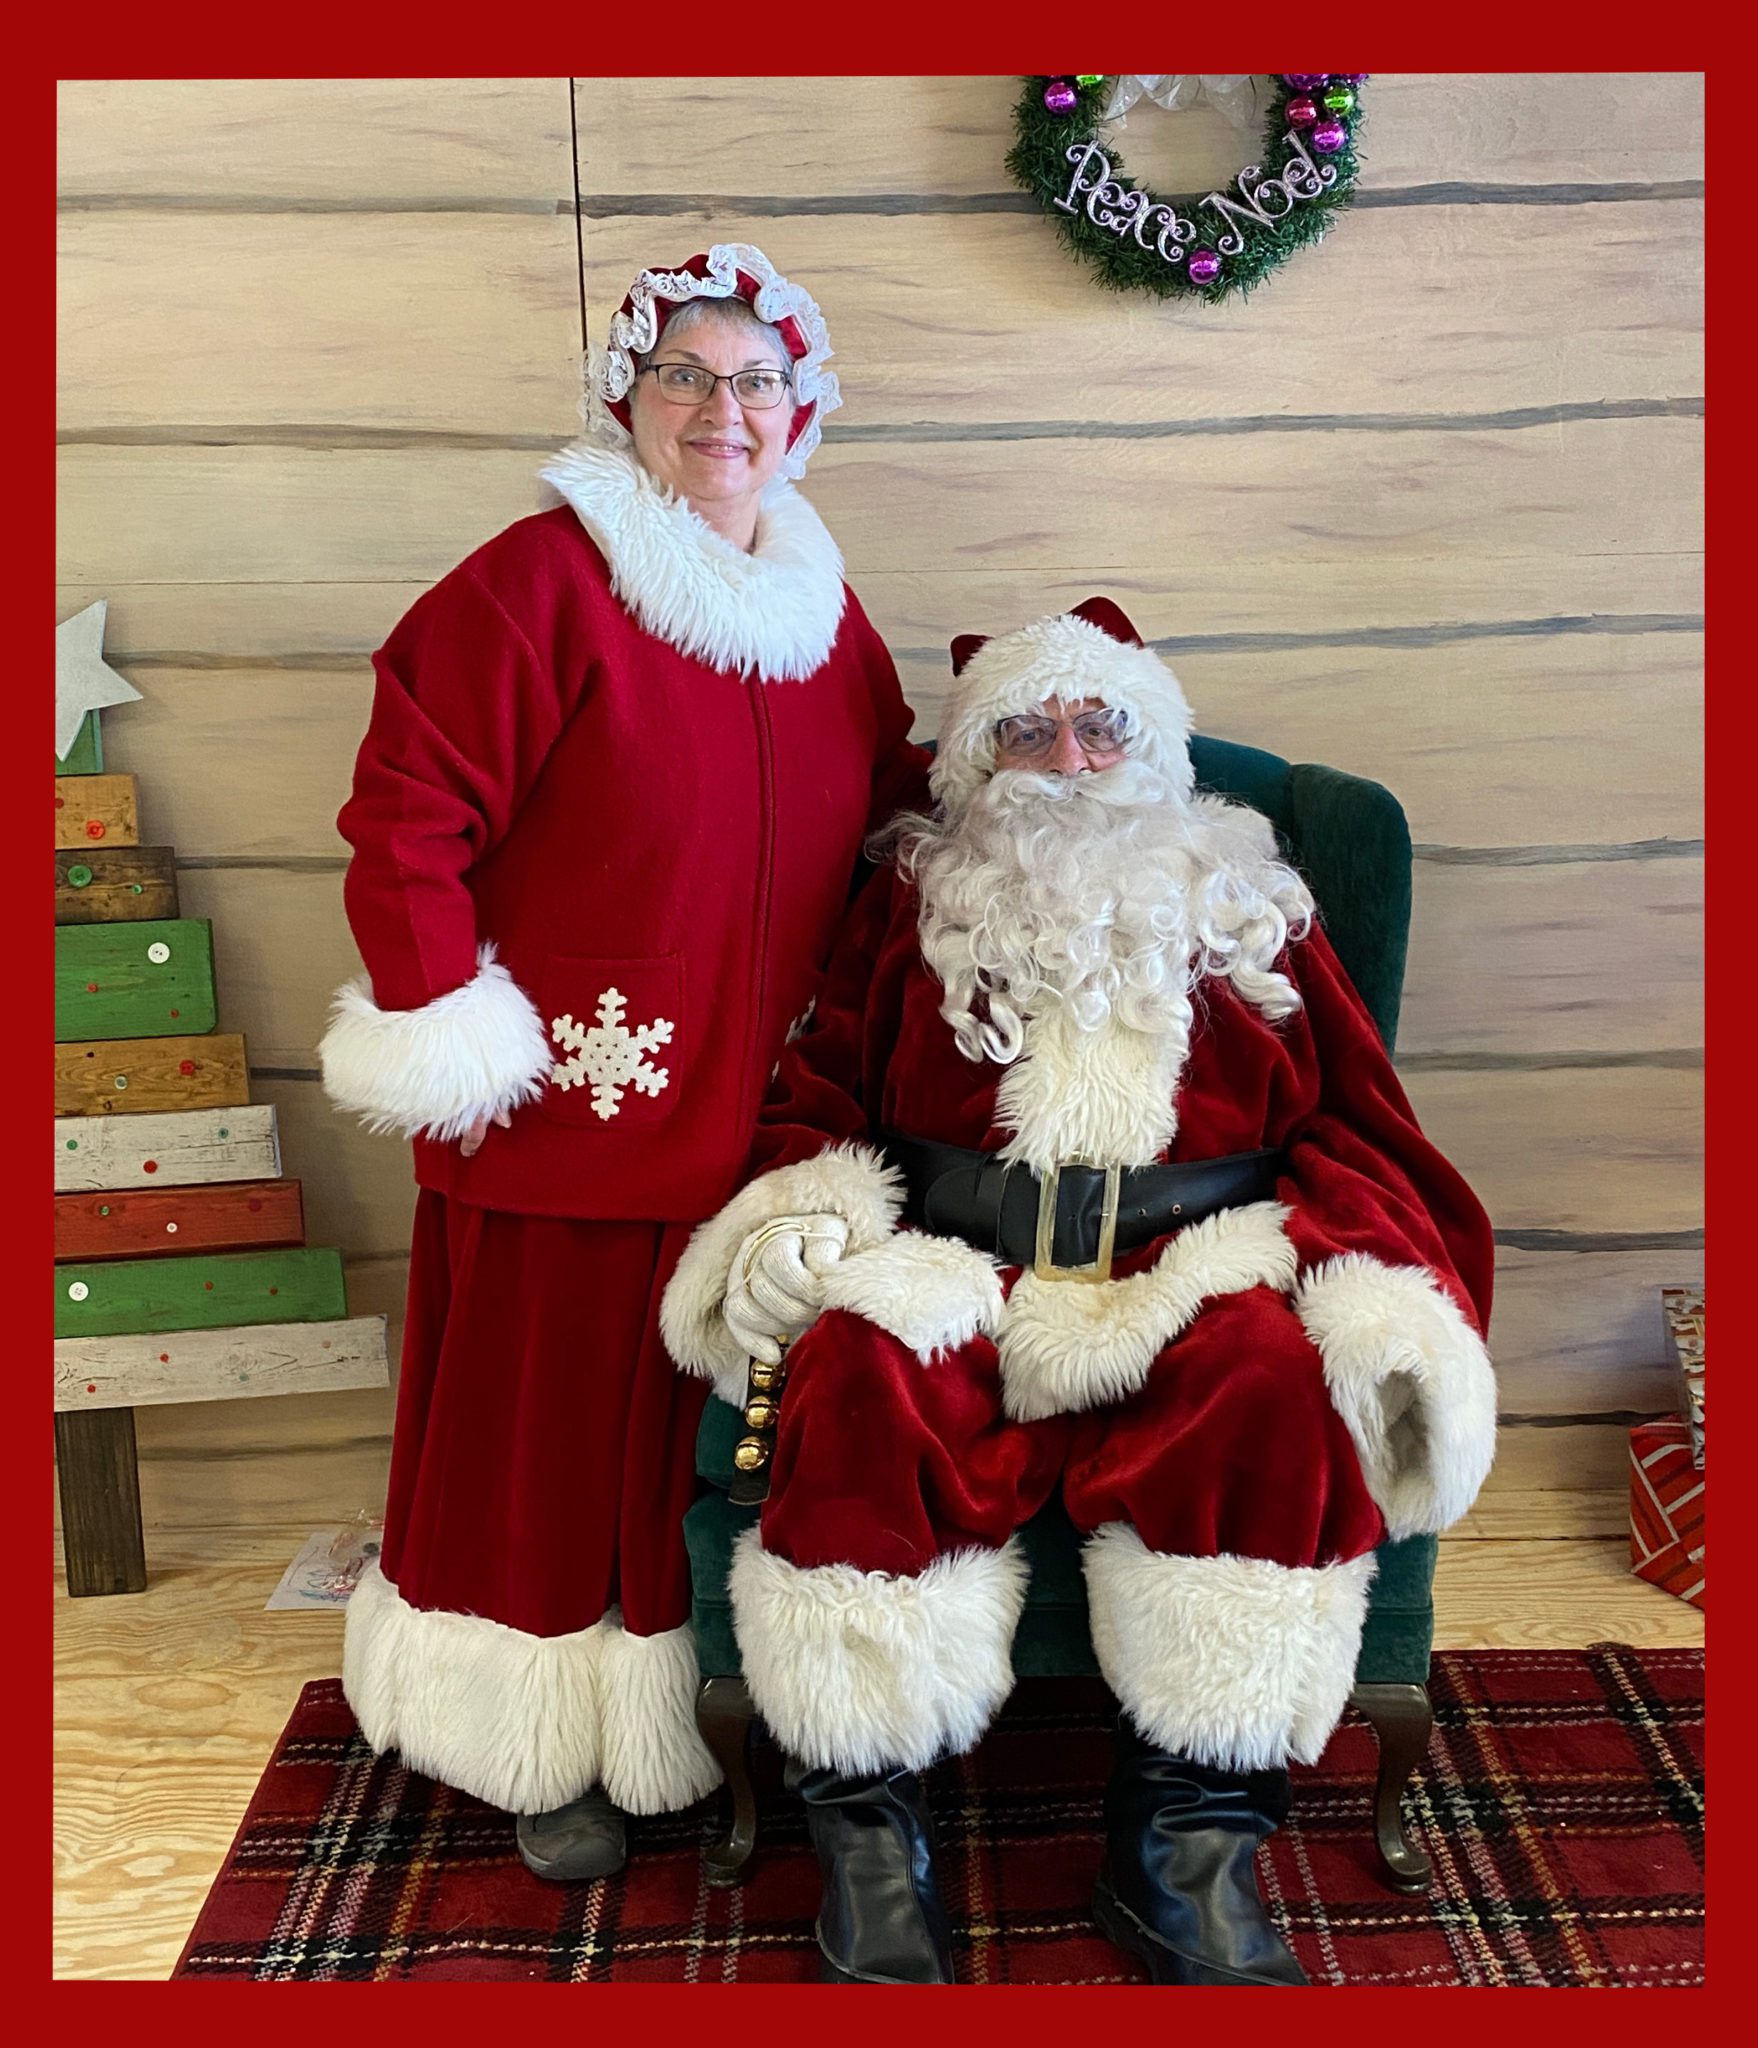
1304, 81
1354, 77
1302, 111
1329, 137
1205, 266
1060, 96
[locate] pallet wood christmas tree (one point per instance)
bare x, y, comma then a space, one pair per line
181, 1268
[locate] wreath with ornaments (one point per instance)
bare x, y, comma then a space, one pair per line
1200, 246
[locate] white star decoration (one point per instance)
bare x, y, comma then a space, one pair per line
84, 680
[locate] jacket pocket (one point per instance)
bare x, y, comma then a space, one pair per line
616, 1029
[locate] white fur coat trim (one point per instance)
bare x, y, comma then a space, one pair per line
774, 612
932, 1293
857, 1671
1413, 1381
1068, 1345
470, 1053
850, 1181
1241, 1664
1109, 1095
526, 1722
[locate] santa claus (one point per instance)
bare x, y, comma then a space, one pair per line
1090, 1170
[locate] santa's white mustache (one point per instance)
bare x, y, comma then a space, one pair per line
1128, 786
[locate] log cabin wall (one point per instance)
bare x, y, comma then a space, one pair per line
1426, 507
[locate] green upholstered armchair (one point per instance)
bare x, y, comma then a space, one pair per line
1350, 840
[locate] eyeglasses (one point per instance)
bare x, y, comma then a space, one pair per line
686, 384
1097, 732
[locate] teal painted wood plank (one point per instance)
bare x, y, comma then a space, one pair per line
86, 755
148, 979
207, 1291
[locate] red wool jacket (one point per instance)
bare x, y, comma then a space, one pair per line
595, 876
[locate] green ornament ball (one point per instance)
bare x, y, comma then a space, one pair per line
1339, 100
1089, 78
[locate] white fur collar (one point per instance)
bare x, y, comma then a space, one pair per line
775, 611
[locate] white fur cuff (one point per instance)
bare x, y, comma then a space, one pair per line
860, 1671
1066, 1346
1411, 1378
526, 1722
850, 1181
932, 1293
472, 1053
1236, 1662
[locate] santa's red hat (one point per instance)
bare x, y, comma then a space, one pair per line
728, 270
1092, 651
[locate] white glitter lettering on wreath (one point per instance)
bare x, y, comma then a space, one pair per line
608, 1057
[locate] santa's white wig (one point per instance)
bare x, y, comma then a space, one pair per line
1104, 895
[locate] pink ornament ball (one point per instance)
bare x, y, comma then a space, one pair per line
1205, 267
1060, 97
1304, 81
1302, 111
1329, 137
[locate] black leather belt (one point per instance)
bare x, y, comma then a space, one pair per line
1069, 1223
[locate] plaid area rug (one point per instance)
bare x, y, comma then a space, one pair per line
1561, 1801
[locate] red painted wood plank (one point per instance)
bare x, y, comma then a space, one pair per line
132, 1223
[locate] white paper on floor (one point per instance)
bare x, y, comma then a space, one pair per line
328, 1566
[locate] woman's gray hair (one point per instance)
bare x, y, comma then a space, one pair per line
738, 311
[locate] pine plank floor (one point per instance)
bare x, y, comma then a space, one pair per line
169, 1701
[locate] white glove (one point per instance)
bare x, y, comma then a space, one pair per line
776, 1286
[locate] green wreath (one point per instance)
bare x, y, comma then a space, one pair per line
1205, 246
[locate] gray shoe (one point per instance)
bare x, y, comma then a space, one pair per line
581, 1840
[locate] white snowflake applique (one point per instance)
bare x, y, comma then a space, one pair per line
608, 1056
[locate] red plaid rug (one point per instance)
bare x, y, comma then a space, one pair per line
1561, 1802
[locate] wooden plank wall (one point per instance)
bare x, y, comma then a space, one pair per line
1426, 507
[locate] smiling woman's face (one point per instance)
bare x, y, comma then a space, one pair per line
718, 455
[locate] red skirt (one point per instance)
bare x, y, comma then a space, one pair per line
526, 1634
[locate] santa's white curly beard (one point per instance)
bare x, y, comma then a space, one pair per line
1101, 892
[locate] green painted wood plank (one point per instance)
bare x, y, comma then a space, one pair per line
207, 1291
148, 979
86, 755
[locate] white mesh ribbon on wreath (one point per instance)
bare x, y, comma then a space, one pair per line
1238, 94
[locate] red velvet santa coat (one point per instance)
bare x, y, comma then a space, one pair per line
1373, 1209
1373, 1266
596, 812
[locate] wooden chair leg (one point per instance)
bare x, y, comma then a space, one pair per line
725, 1715
1403, 1718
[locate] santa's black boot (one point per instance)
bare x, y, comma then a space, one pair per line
881, 1920
1177, 1889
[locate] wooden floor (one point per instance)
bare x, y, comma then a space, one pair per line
169, 1701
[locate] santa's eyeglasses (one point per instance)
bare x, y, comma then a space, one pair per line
1029, 736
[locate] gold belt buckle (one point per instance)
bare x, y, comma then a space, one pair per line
1044, 1266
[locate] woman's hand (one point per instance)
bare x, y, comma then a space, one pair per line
777, 1283
471, 1142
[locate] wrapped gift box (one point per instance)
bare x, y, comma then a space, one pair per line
1683, 1307
1666, 1510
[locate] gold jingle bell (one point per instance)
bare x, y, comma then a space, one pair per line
764, 1378
750, 1454
761, 1413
